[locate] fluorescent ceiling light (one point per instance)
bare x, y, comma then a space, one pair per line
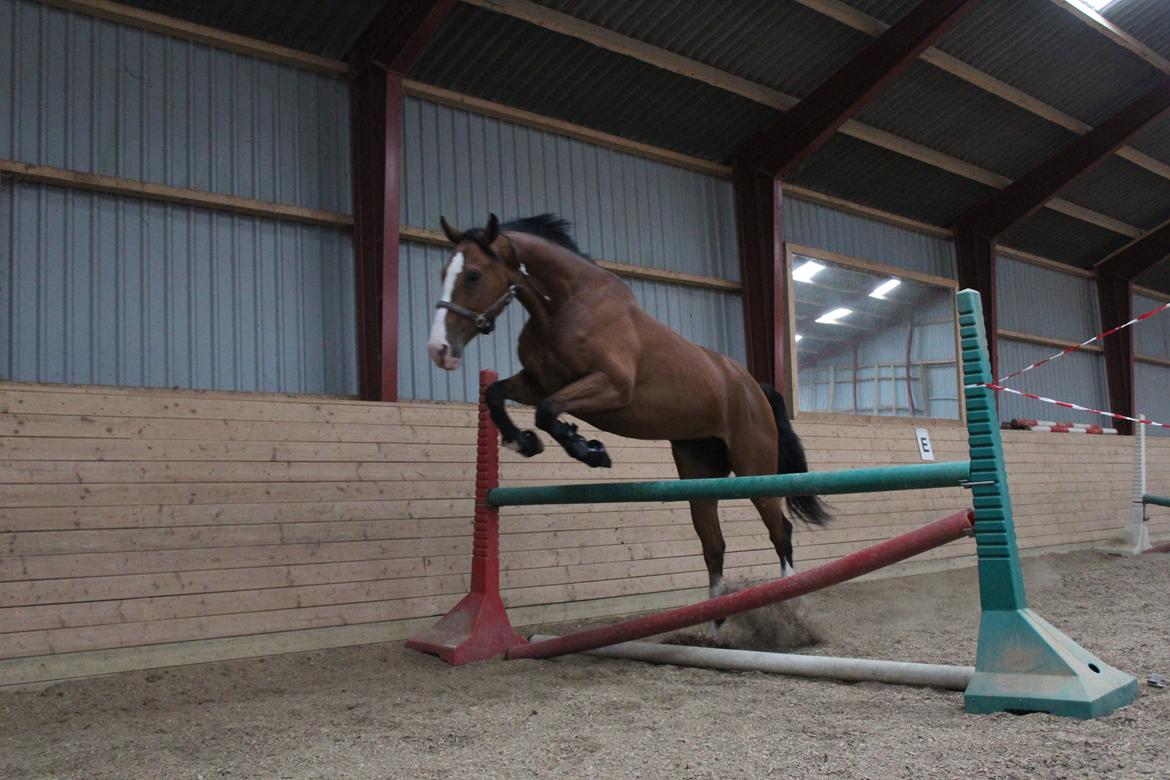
807, 271
834, 315
798, 337
1098, 5
883, 288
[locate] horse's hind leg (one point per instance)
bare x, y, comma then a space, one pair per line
698, 460
757, 459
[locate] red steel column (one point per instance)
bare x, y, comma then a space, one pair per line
376, 118
975, 254
396, 36
1115, 297
760, 232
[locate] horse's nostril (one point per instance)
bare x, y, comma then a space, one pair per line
443, 351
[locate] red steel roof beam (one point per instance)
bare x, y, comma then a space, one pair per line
1139, 255
1028, 194
780, 149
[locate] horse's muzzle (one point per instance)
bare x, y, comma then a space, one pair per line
443, 356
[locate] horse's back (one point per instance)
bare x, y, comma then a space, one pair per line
685, 391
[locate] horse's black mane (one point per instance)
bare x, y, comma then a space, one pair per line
548, 226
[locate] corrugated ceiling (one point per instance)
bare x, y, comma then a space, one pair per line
1038, 47
1124, 191
1051, 234
327, 29
782, 45
1144, 20
943, 112
1155, 140
873, 176
499, 58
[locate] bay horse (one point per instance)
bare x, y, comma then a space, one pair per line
588, 350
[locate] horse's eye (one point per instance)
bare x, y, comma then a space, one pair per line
472, 276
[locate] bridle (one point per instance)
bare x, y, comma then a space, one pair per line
485, 321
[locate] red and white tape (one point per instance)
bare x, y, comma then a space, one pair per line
1001, 389
1098, 337
1050, 426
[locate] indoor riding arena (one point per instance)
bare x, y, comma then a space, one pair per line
572, 388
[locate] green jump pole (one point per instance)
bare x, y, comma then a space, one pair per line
871, 480
1156, 500
1023, 663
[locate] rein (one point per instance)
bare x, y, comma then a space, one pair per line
485, 321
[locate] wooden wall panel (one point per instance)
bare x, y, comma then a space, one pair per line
144, 528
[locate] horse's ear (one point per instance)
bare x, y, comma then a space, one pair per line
453, 235
493, 229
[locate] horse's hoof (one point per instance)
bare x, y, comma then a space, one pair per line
529, 444
596, 456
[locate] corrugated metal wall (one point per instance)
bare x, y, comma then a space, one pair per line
1043, 302
1151, 382
624, 208
822, 227
1152, 391
100, 289
1151, 337
115, 290
1078, 377
81, 93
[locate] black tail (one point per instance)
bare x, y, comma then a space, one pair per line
792, 460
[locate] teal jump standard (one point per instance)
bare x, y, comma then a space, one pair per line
1156, 500
871, 480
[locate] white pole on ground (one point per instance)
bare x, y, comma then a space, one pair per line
851, 669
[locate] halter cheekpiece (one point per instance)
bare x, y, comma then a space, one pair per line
485, 321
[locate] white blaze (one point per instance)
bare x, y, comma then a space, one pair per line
438, 342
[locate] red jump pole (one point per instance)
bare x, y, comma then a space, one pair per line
862, 562
477, 628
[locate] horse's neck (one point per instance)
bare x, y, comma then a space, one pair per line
556, 274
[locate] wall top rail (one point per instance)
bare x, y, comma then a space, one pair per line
869, 480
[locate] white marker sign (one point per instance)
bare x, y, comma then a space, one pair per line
924, 448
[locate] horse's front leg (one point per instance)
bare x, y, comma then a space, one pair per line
518, 387
598, 392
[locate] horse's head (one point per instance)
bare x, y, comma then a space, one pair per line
477, 285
